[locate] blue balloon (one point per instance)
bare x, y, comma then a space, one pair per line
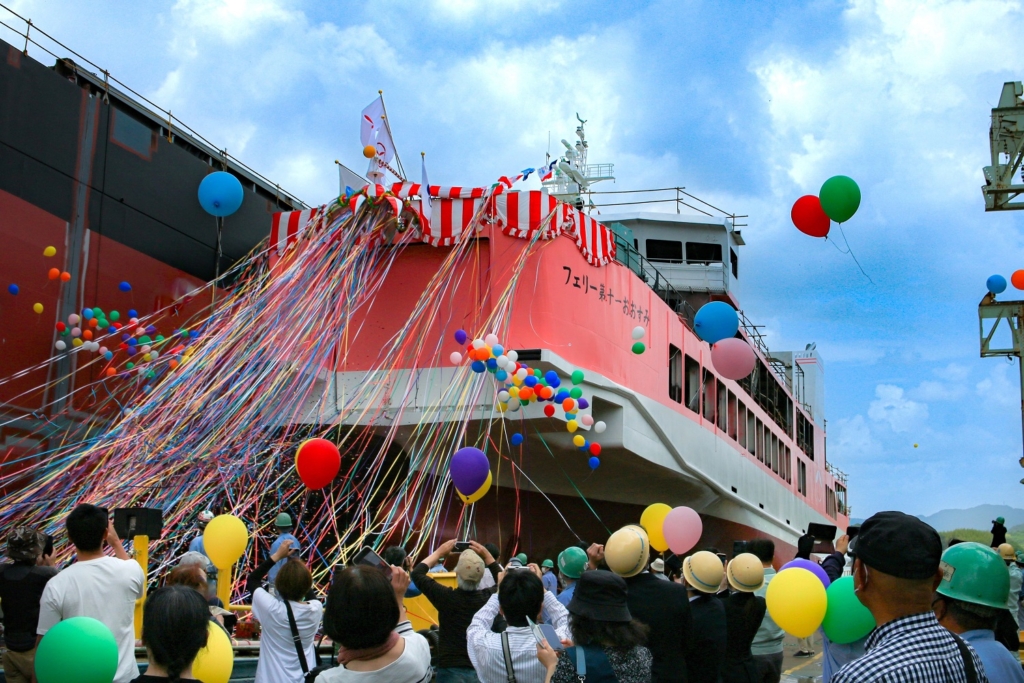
561, 396
132, 313
551, 377
492, 364
108, 355
497, 350
125, 287
13, 289
530, 381
996, 284
517, 439
220, 194
585, 446
132, 341
412, 591
716, 321
594, 462
478, 366
87, 313
501, 375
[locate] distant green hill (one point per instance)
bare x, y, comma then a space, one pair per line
1015, 537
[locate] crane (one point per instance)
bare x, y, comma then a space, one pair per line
1006, 143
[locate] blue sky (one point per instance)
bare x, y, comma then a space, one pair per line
749, 105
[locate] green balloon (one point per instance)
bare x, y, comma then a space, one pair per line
114, 316
846, 618
840, 198
77, 650
576, 392
577, 376
639, 348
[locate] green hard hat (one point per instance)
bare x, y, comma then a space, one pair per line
548, 563
974, 573
1001, 520
284, 520
522, 558
572, 561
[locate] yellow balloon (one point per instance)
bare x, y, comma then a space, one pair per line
478, 494
652, 520
797, 601
513, 391
369, 151
38, 308
214, 662
502, 407
578, 441
225, 539
572, 426
49, 251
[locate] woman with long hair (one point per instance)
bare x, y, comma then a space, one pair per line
365, 617
608, 642
175, 626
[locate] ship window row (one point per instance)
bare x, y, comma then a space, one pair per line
706, 395
696, 253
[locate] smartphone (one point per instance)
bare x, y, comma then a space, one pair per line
822, 532
514, 563
369, 558
462, 545
542, 632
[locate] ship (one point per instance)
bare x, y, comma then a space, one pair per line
88, 165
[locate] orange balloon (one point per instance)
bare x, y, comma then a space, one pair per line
54, 273
87, 334
1017, 279
525, 393
173, 364
111, 372
568, 404
93, 322
65, 276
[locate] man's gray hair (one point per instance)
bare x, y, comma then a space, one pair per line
193, 558
467, 585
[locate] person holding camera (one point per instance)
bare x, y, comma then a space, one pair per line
21, 585
456, 606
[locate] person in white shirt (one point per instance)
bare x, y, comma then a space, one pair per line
279, 658
96, 585
366, 618
521, 596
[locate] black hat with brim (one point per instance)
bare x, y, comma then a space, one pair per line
600, 595
900, 545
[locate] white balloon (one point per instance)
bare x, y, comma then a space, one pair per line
514, 404
522, 373
503, 396
455, 358
587, 420
479, 343
639, 332
513, 356
154, 354
60, 345
491, 339
146, 348
600, 427
502, 361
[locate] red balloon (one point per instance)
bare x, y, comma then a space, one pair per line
317, 462
809, 218
595, 449
549, 411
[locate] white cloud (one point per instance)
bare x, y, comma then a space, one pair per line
892, 407
490, 10
997, 389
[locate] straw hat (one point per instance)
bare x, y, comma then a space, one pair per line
627, 551
703, 571
746, 573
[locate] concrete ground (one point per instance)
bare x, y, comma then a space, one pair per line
801, 669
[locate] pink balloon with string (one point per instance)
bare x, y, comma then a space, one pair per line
682, 529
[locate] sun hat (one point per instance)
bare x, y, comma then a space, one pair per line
600, 595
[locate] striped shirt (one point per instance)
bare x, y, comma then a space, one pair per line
485, 649
914, 649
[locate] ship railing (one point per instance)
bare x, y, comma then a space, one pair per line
676, 195
627, 255
101, 80
836, 473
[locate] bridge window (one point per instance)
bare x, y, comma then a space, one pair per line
735, 263
675, 374
701, 252
665, 251
801, 477
733, 421
710, 398
692, 385
722, 417
804, 434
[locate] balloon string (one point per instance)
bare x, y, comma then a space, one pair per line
849, 250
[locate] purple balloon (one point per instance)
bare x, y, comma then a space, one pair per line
584, 404
469, 470
460, 338
811, 566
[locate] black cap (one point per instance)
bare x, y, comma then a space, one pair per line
600, 595
899, 545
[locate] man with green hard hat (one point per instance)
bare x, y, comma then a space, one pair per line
548, 578
571, 563
973, 590
998, 532
284, 530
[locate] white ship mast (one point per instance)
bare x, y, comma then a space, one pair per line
573, 175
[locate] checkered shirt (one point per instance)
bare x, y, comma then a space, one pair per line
914, 649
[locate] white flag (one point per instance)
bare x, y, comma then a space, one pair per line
425, 207
371, 121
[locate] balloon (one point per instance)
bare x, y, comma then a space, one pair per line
220, 194
224, 540
594, 461
1017, 279
53, 273
549, 411
996, 284
517, 439
479, 493
639, 332
587, 420
214, 662
13, 289
478, 366
840, 198
370, 151
125, 287
491, 339
455, 358
578, 441
682, 529
461, 337
595, 449
733, 358
716, 321
87, 313
812, 567
60, 345
638, 348
317, 461
583, 403
576, 392
796, 601
808, 216
497, 350
512, 355
846, 618
572, 426
600, 426
78, 650
651, 520
577, 376
469, 468
38, 308
49, 251
114, 316
551, 377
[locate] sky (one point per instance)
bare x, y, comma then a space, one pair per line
747, 105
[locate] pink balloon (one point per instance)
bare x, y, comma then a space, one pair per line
733, 358
682, 529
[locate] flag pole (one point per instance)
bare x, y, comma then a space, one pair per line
401, 169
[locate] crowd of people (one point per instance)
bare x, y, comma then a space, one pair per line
941, 615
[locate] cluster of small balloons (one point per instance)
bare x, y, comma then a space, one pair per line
676, 529
837, 200
996, 284
519, 385
801, 599
91, 322
717, 323
64, 276
638, 334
